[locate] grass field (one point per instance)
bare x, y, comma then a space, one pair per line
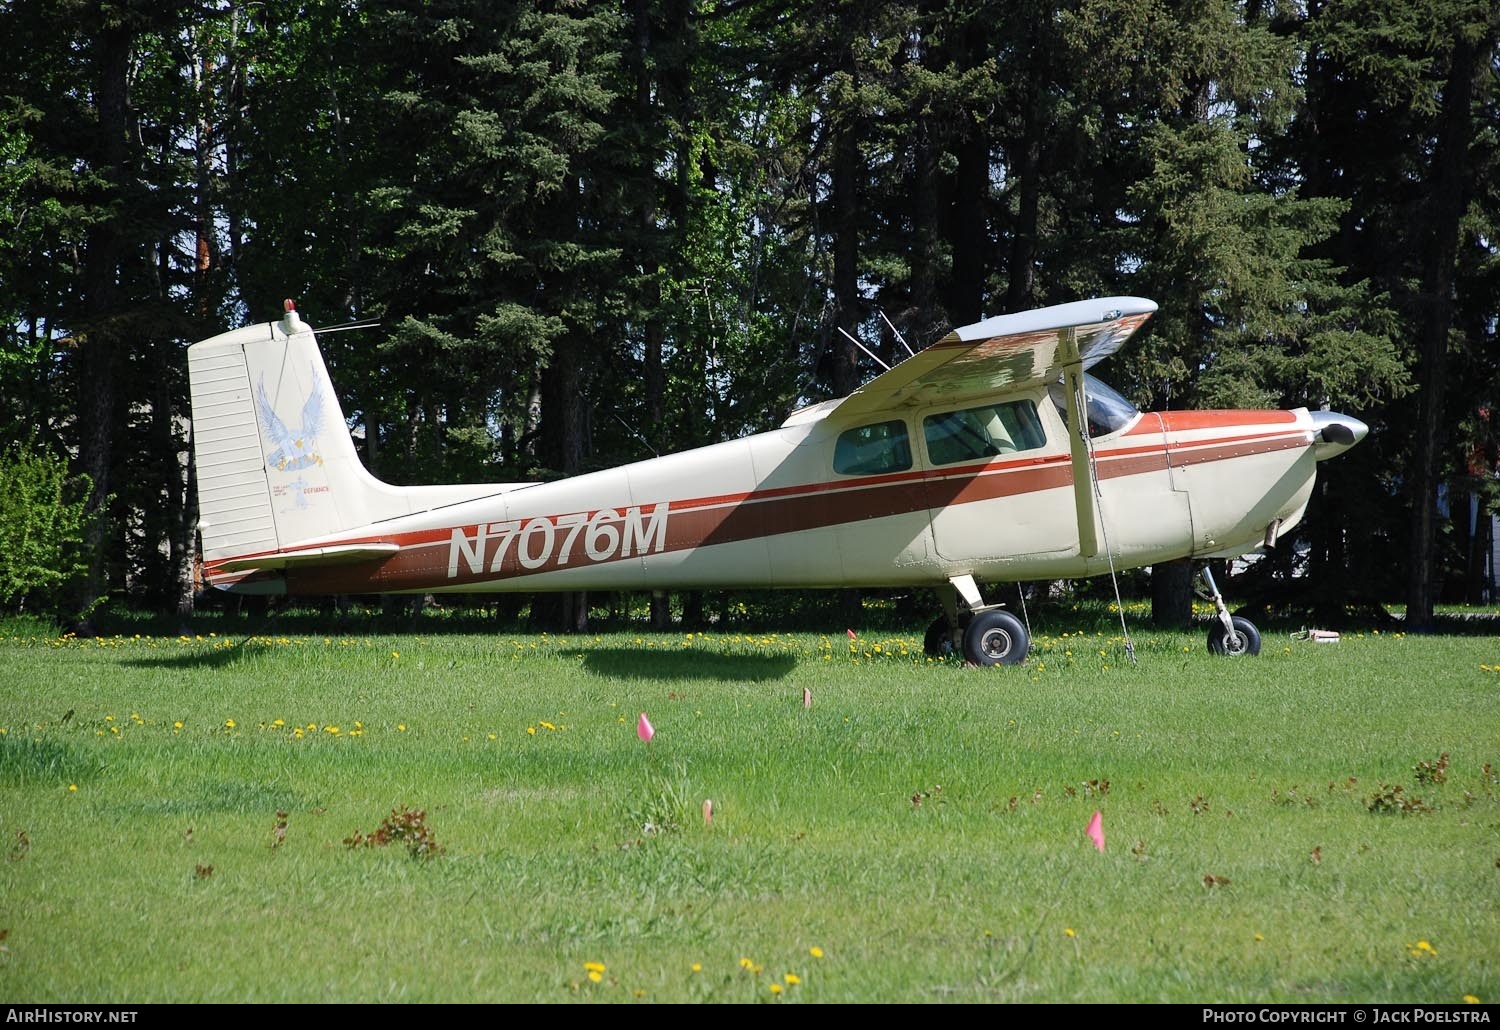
462, 817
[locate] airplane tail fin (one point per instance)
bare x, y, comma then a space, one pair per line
276, 465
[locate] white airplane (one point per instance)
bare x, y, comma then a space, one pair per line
962, 464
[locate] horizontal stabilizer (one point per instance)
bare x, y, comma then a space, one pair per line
340, 555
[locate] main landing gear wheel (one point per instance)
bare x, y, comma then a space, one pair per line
938, 643
995, 637
1244, 641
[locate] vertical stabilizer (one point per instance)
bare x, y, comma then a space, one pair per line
275, 461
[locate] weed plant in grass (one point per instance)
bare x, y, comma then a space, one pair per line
473, 818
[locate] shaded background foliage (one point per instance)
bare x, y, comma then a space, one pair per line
593, 232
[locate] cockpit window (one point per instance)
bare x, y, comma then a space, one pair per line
1107, 409
873, 449
975, 434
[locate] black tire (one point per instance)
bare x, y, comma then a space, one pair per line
1248, 642
996, 637
938, 643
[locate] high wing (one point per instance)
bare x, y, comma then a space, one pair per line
1016, 352
1007, 351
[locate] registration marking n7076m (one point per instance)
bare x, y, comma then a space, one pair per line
554, 540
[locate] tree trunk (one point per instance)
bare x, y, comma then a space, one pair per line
969, 228
97, 353
1449, 191
1172, 594
845, 372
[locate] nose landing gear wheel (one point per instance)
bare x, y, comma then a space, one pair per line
995, 637
1244, 641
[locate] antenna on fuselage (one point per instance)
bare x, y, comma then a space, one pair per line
347, 326
893, 329
636, 433
862, 347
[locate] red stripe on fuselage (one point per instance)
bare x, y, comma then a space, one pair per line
1189, 421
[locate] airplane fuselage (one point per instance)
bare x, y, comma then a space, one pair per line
797, 507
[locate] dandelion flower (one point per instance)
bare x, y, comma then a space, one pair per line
793, 979
776, 988
1068, 931
229, 724
73, 787
815, 951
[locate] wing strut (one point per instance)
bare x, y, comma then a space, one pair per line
1078, 443
1086, 495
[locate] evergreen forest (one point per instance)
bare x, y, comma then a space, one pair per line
593, 232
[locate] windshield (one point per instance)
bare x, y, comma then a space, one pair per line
1108, 410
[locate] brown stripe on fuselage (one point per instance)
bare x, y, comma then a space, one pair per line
701, 522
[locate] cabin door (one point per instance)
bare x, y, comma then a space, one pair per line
997, 488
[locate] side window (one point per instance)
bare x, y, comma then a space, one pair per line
871, 450
975, 434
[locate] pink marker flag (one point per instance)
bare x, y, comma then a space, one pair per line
851, 634
644, 729
806, 698
1096, 831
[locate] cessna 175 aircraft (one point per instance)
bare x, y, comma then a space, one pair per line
988, 456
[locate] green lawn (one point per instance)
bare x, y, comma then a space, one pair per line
189, 819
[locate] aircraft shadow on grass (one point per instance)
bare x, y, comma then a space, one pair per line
219, 658
628, 663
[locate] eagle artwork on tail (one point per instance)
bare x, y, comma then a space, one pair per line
294, 450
